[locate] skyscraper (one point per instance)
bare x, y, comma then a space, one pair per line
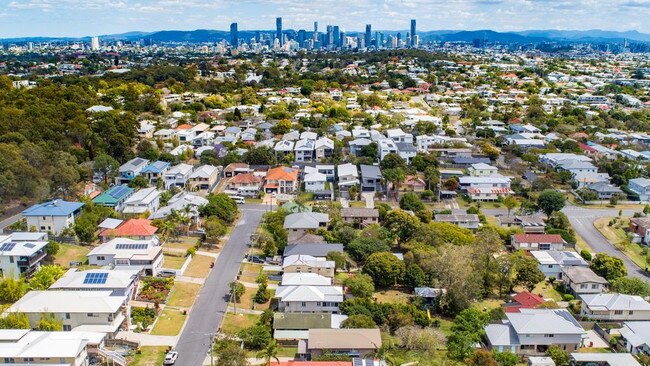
94, 43
330, 36
278, 27
315, 36
302, 38
368, 38
413, 43
234, 36
337, 37
342, 41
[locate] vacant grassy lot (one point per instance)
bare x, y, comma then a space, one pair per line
169, 323
183, 294
199, 266
149, 356
393, 296
173, 260
250, 271
233, 323
70, 252
183, 242
546, 291
246, 301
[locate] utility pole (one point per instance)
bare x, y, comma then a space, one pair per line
211, 349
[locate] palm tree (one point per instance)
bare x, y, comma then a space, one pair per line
383, 353
269, 353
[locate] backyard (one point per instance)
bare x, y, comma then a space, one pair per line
70, 252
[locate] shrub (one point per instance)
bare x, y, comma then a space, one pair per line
567, 297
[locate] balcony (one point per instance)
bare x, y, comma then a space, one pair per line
31, 261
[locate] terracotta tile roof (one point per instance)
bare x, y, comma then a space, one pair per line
538, 238
282, 173
132, 227
183, 127
246, 178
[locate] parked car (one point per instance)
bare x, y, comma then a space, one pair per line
170, 358
255, 259
166, 273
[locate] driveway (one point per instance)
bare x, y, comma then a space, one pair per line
210, 306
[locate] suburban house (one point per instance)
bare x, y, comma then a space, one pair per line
304, 151
324, 148
357, 343
318, 250
602, 359
530, 332
128, 253
177, 176
315, 182
406, 151
26, 346
283, 148
360, 216
89, 311
488, 188
303, 221
236, 168
414, 183
114, 197
327, 169
21, 253
309, 299
246, 184
146, 199
583, 281
636, 337
308, 264
281, 180
305, 279
155, 171
523, 300
482, 170
184, 203
137, 229
291, 327
467, 221
531, 224
386, 146
53, 216
640, 229
552, 262
614, 307
370, 178
120, 282
357, 145
529, 242
347, 176
130, 170
640, 186
203, 178
604, 190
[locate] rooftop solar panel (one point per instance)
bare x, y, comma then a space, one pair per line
96, 278
6, 247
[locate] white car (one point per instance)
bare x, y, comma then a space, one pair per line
170, 358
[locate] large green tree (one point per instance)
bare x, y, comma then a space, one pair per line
384, 268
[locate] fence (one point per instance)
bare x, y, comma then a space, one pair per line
188, 259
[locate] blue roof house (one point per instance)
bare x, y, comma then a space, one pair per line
114, 197
155, 171
53, 216
130, 170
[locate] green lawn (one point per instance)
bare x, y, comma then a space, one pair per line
199, 266
617, 236
488, 304
233, 323
149, 356
183, 242
392, 296
546, 291
173, 260
287, 351
169, 323
183, 294
70, 252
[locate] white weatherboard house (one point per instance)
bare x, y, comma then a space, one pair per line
147, 199
614, 307
309, 299
129, 253
551, 262
90, 311
120, 282
21, 253
53, 216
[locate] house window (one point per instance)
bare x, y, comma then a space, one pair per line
544, 246
584, 285
618, 312
594, 286
631, 312
67, 328
67, 315
11, 259
549, 335
9, 360
303, 304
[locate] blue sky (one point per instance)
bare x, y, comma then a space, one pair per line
19, 18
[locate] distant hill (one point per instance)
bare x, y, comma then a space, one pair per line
527, 36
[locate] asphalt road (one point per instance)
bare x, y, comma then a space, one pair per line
210, 306
9, 221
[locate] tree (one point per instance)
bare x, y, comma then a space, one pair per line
467, 330
402, 224
52, 248
411, 202
237, 289
359, 321
260, 156
392, 161
282, 127
15, 321
139, 182
11, 289
550, 201
263, 294
630, 286
360, 285
362, 247
270, 352
229, 353
528, 273
214, 229
341, 259
105, 166
45, 277
415, 276
482, 357
608, 267
510, 202
486, 245
384, 268
255, 337
49, 323
506, 358
221, 206
558, 355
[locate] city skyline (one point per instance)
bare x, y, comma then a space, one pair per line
68, 18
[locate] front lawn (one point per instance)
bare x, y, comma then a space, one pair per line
233, 323
246, 301
173, 260
170, 322
199, 266
183, 294
70, 252
149, 356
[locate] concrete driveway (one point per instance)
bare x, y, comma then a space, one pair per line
211, 304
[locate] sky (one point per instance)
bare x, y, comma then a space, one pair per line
57, 18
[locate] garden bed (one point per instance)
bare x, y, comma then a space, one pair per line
154, 289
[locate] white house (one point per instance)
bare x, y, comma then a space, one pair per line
482, 170
640, 186
614, 307
315, 182
324, 148
53, 216
636, 336
386, 146
309, 299
21, 253
177, 176
128, 253
147, 199
347, 175
583, 281
119, 282
551, 262
304, 151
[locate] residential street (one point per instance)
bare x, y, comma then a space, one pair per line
210, 306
